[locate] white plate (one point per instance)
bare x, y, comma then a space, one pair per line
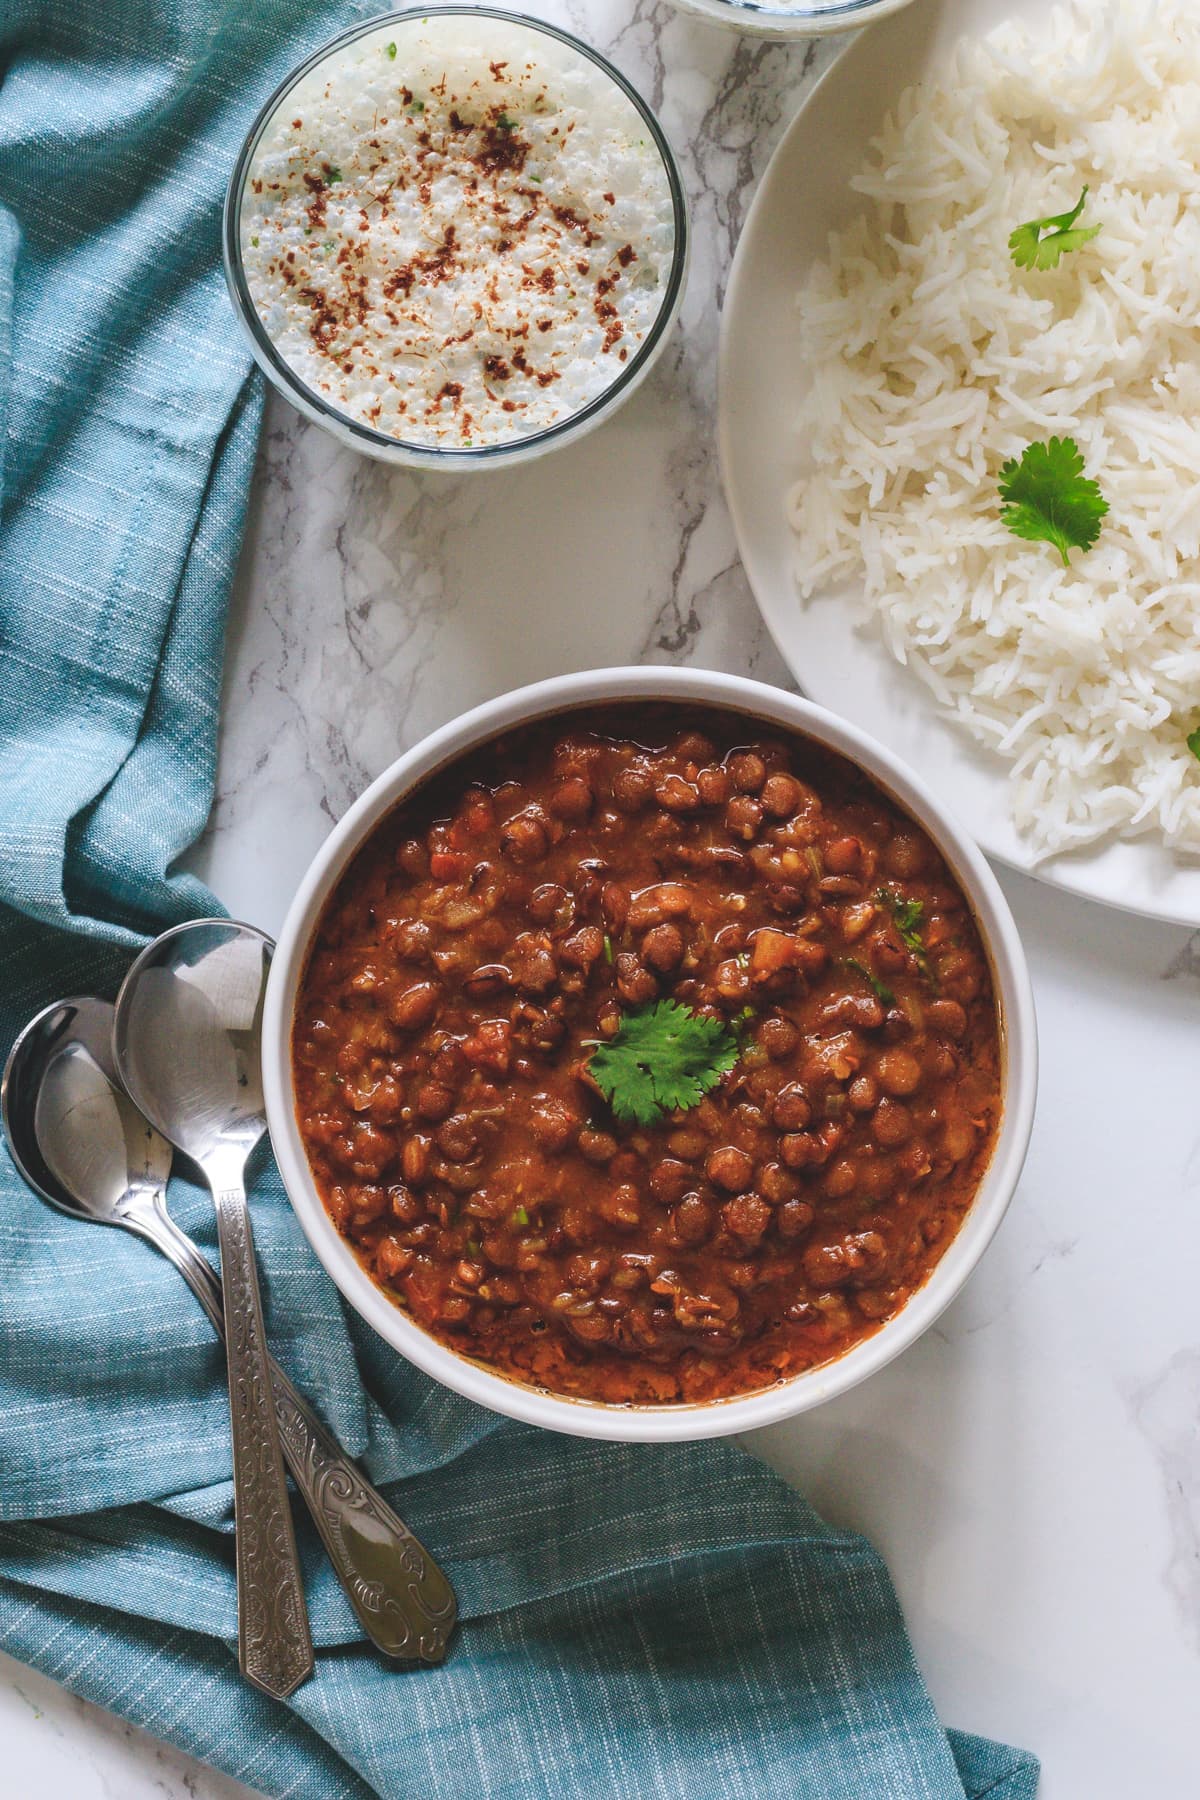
804, 195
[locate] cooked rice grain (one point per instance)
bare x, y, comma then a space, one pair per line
934, 358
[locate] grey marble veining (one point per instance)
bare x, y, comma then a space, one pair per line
1185, 965
1031, 1468
1166, 1409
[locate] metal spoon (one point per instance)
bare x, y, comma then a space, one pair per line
186, 1041
80, 1143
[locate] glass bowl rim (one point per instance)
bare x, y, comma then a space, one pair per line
799, 20
407, 450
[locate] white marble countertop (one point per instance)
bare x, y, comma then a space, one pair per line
1031, 1469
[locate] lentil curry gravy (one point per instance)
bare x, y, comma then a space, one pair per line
522, 907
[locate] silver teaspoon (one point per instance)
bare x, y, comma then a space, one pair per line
186, 1041
80, 1142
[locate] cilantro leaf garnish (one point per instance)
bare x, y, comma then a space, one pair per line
906, 913
880, 989
662, 1057
391, 52
1193, 742
1047, 498
1042, 243
906, 917
741, 1022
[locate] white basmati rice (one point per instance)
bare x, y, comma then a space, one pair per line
933, 359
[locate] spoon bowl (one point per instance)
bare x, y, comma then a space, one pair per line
187, 1037
74, 1134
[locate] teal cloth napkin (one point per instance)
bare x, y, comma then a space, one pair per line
636, 1622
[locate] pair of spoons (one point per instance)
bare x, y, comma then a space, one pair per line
93, 1097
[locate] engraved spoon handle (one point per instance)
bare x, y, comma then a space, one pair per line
400, 1596
274, 1646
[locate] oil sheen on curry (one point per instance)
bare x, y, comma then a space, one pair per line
646, 1057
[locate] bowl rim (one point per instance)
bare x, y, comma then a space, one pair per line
774, 21
663, 1423
312, 404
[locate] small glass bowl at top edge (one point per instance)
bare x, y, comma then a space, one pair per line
755, 18
429, 456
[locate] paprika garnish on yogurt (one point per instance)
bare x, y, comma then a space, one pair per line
647, 1055
457, 229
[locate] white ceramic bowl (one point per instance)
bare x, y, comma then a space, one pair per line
644, 1423
804, 20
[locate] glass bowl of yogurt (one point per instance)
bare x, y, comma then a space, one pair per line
456, 237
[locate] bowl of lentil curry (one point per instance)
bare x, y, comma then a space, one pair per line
648, 1055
